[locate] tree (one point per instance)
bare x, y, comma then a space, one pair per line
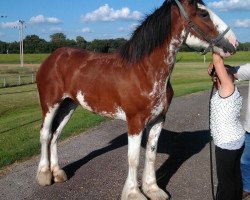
3, 47
58, 38
81, 42
34, 44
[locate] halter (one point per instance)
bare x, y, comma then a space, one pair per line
191, 25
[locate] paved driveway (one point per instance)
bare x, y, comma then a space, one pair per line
96, 161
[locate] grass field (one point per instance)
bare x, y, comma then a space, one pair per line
20, 114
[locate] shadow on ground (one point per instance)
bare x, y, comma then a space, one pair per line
179, 146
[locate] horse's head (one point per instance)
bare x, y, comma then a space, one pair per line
205, 30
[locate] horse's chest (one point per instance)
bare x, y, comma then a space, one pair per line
158, 100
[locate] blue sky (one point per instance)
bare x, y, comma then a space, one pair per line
101, 19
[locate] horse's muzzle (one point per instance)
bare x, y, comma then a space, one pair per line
227, 46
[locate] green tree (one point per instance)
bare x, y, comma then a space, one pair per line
81, 42
3, 47
34, 44
58, 38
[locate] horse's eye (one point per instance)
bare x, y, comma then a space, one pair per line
204, 14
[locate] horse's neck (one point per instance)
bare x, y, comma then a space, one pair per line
163, 59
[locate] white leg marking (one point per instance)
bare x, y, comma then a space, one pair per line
44, 174
131, 190
149, 185
58, 174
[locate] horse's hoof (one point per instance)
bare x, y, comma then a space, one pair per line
60, 176
133, 195
44, 178
156, 194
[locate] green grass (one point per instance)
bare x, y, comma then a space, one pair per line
28, 58
20, 113
239, 58
20, 121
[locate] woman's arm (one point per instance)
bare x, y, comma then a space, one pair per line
242, 72
226, 83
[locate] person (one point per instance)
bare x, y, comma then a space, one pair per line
243, 73
227, 132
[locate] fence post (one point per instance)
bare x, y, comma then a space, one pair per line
4, 82
19, 80
32, 78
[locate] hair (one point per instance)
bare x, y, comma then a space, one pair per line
152, 33
149, 35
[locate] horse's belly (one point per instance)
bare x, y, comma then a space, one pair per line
114, 112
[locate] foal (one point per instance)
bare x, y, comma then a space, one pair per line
132, 84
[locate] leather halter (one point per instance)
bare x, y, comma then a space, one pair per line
191, 25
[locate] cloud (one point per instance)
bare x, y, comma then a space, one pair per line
2, 34
9, 24
55, 29
106, 13
242, 23
86, 30
131, 27
230, 5
40, 19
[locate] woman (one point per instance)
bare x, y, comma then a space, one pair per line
227, 132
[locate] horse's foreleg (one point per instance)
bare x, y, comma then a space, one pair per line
131, 189
149, 185
44, 175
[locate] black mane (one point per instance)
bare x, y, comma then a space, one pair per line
149, 35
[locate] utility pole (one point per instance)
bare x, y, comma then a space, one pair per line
20, 27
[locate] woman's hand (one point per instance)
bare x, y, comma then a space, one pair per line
210, 69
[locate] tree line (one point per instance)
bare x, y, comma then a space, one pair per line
34, 44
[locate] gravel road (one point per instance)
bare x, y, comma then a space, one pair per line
96, 161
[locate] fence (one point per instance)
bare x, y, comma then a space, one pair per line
16, 80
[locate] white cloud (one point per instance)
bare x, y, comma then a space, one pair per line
242, 23
86, 30
230, 5
39, 19
53, 20
9, 24
131, 27
106, 13
55, 29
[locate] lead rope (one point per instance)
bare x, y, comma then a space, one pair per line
210, 145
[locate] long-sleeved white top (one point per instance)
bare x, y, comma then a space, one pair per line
243, 73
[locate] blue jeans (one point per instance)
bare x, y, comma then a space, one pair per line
245, 164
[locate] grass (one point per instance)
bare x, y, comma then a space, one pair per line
20, 113
28, 58
20, 121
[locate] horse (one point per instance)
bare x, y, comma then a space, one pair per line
131, 84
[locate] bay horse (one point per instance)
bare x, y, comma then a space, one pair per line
132, 84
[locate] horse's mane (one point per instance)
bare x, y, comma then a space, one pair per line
151, 34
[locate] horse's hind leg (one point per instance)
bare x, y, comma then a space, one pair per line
64, 113
44, 175
55, 119
149, 185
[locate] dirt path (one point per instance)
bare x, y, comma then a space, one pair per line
96, 162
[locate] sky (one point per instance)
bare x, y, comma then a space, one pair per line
101, 19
